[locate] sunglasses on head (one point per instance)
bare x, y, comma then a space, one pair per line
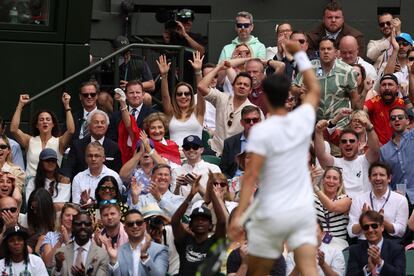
191, 146
382, 24
4, 146
180, 94
87, 95
222, 184
12, 209
395, 117
243, 25
251, 120
366, 227
230, 121
107, 201
346, 141
135, 222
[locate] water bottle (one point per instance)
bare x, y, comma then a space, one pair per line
13, 15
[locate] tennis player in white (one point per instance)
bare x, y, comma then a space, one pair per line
278, 149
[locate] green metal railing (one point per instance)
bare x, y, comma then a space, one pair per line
179, 49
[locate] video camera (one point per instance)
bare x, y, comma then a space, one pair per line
169, 17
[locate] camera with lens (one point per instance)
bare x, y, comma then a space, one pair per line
169, 17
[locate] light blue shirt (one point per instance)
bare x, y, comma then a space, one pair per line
16, 154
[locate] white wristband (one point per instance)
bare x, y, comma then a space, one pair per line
302, 61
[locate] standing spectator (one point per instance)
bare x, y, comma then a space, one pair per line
283, 32
256, 70
17, 260
45, 131
244, 27
334, 27
337, 79
17, 155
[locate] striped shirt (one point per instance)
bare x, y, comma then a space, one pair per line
333, 223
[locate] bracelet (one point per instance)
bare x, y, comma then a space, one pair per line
151, 152
198, 73
123, 108
68, 109
302, 61
370, 128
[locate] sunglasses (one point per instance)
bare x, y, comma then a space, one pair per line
107, 201
79, 223
12, 209
191, 146
243, 25
395, 117
366, 227
135, 222
301, 41
251, 120
180, 94
346, 141
222, 184
107, 188
4, 146
409, 59
382, 24
87, 95
403, 43
230, 121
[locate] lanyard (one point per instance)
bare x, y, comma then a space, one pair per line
24, 273
386, 200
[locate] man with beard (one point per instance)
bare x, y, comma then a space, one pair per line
82, 256
193, 244
379, 106
398, 152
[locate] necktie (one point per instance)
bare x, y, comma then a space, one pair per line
374, 271
79, 257
133, 112
84, 128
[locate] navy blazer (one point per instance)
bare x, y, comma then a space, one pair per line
76, 158
116, 117
78, 120
232, 147
156, 265
392, 253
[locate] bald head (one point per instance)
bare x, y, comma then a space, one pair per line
348, 47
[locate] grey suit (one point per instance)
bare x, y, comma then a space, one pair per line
156, 265
96, 261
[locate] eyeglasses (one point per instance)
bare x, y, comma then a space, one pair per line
409, 59
79, 223
382, 24
243, 25
251, 120
301, 41
222, 184
346, 141
4, 146
11, 210
107, 188
366, 227
180, 94
135, 222
230, 121
395, 117
403, 43
87, 95
191, 146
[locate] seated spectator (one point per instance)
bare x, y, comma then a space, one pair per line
8, 187
156, 126
244, 27
242, 160
15, 150
9, 215
193, 244
17, 260
158, 192
334, 27
193, 148
84, 184
81, 256
330, 260
153, 257
61, 236
392, 205
48, 177
98, 125
185, 114
364, 84
107, 192
376, 255
332, 204
234, 145
111, 227
332, 132
45, 131
354, 166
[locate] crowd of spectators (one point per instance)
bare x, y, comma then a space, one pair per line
143, 192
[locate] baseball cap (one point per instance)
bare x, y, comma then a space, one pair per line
15, 231
192, 140
120, 41
406, 37
201, 211
389, 77
47, 153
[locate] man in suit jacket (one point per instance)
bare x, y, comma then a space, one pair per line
98, 122
376, 254
135, 96
153, 256
333, 26
92, 261
250, 115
